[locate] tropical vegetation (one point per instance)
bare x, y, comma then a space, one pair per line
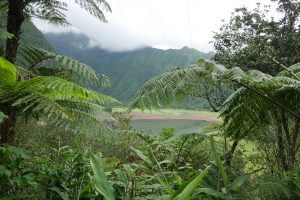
61, 139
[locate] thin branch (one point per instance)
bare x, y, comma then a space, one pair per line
181, 147
210, 103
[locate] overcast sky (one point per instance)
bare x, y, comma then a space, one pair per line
157, 23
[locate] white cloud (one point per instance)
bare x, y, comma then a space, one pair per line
157, 23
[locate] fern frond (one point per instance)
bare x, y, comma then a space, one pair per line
95, 7
23, 73
245, 111
82, 119
38, 104
31, 56
173, 86
52, 11
62, 102
93, 110
56, 89
251, 108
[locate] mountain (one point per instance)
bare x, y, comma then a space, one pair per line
30, 34
128, 70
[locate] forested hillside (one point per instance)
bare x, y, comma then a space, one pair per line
30, 34
127, 70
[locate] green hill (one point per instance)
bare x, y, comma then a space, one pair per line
127, 70
30, 34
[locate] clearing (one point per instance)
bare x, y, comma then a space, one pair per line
184, 121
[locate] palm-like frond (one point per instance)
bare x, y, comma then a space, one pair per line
55, 98
245, 111
252, 106
55, 89
31, 56
95, 7
54, 10
50, 10
93, 110
175, 85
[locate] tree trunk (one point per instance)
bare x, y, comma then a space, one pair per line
229, 155
7, 127
281, 147
295, 145
15, 18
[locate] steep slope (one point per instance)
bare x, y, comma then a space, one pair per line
127, 70
30, 34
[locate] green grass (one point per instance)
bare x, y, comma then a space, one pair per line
181, 126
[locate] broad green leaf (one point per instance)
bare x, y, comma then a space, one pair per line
218, 161
142, 156
7, 72
189, 189
129, 170
211, 192
239, 181
121, 176
100, 181
63, 195
166, 186
84, 192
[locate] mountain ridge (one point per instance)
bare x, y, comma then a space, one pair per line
128, 70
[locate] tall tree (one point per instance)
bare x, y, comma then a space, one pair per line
252, 39
49, 10
52, 11
56, 98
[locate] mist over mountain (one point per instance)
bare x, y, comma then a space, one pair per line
128, 70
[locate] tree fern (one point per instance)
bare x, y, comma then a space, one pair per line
59, 100
259, 94
39, 95
31, 57
50, 10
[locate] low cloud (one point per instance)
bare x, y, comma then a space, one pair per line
156, 23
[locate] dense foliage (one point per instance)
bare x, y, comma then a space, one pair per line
256, 39
62, 140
